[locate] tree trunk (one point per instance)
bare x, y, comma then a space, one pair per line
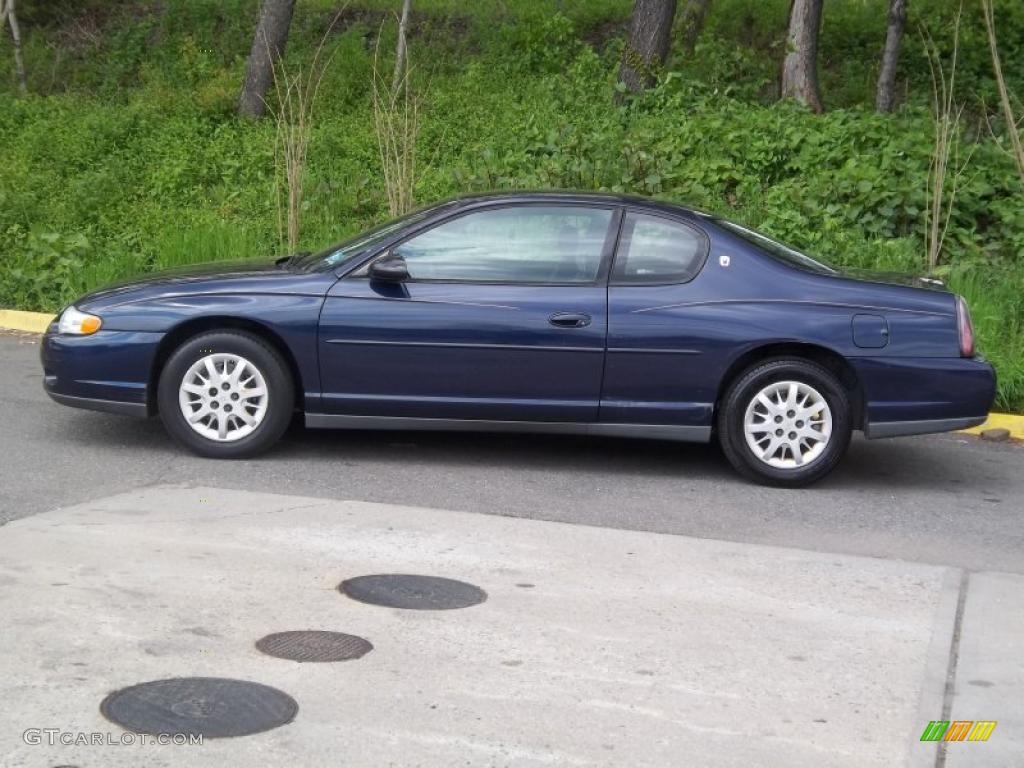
267, 47
885, 96
7, 13
400, 48
800, 68
694, 14
649, 38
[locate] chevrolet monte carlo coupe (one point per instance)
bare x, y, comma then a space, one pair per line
553, 312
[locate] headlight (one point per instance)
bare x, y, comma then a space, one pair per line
78, 323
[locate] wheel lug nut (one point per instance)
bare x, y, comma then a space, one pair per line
778, 433
791, 414
213, 391
234, 395
792, 435
225, 386
227, 408
799, 424
214, 404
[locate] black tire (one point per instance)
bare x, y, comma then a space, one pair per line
275, 372
746, 386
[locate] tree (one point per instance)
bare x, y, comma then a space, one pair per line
694, 14
401, 47
800, 67
7, 14
885, 96
267, 47
649, 37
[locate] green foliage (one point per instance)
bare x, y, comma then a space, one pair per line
44, 268
996, 300
127, 156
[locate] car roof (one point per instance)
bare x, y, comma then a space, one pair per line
569, 196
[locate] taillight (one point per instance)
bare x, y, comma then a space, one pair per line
964, 328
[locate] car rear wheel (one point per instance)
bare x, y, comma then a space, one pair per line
785, 422
226, 394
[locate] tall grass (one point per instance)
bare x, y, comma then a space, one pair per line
996, 300
220, 241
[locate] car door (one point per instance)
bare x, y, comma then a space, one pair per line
653, 367
503, 317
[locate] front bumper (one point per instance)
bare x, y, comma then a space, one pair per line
95, 404
107, 371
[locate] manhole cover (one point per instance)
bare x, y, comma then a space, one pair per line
212, 706
314, 645
425, 593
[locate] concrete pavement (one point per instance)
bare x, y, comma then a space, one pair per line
627, 648
989, 674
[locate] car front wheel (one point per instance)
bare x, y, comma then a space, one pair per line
785, 422
226, 394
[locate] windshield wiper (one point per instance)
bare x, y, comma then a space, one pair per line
285, 262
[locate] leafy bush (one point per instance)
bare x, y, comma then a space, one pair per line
41, 272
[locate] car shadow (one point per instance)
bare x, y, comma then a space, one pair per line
569, 453
894, 465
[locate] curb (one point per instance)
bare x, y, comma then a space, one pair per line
934, 698
32, 322
1010, 422
37, 322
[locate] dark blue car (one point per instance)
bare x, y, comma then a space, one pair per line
572, 313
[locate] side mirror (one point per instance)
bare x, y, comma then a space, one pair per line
390, 268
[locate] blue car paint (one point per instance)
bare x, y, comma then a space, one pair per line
285, 304
109, 365
650, 354
461, 351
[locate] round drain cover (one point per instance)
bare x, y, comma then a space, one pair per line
212, 706
424, 593
314, 645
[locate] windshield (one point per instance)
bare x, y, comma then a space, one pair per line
777, 250
338, 254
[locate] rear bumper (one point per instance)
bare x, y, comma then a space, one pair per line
925, 427
108, 371
915, 396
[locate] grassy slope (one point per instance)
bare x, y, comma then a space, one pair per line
131, 157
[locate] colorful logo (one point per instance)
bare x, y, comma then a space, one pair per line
958, 730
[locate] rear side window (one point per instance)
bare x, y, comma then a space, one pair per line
657, 250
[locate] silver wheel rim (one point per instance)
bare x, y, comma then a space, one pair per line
223, 397
788, 425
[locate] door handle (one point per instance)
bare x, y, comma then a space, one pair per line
570, 319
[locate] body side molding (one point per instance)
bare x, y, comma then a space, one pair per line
681, 433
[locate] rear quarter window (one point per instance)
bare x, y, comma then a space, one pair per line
654, 249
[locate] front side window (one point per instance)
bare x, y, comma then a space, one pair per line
337, 255
653, 249
519, 244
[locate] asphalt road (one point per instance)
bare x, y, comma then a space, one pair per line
948, 499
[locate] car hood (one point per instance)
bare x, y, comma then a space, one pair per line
893, 278
232, 276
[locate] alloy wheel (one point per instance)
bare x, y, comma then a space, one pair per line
788, 424
223, 397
